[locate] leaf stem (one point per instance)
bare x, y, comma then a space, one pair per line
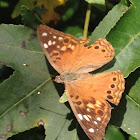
87, 18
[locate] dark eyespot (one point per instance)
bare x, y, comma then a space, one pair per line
89, 47
100, 112
102, 106
93, 111
112, 86
55, 54
77, 97
85, 102
66, 40
96, 47
114, 79
79, 103
93, 101
58, 58
103, 50
109, 97
109, 92
71, 96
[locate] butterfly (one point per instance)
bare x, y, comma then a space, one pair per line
87, 94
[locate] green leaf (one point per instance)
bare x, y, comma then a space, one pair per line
30, 18
96, 1
134, 91
71, 8
113, 133
22, 107
20, 104
4, 4
131, 124
132, 138
17, 10
100, 4
110, 20
125, 38
63, 98
126, 116
68, 131
74, 30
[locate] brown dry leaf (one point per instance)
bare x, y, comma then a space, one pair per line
53, 9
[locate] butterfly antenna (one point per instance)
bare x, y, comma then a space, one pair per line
39, 92
38, 70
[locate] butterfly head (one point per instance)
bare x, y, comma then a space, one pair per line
59, 79
66, 78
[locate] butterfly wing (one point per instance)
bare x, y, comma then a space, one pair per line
60, 48
69, 54
87, 112
88, 96
93, 57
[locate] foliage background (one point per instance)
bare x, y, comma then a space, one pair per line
26, 115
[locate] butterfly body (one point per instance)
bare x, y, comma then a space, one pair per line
87, 94
69, 77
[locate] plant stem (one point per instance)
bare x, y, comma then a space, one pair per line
87, 21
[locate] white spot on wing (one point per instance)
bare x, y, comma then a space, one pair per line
49, 42
45, 45
60, 38
95, 122
54, 37
128, 128
98, 119
50, 32
124, 125
89, 116
85, 116
44, 34
80, 116
53, 42
91, 130
136, 133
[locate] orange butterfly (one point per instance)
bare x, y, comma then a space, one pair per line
86, 93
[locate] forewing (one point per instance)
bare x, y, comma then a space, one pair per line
60, 48
93, 57
69, 54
